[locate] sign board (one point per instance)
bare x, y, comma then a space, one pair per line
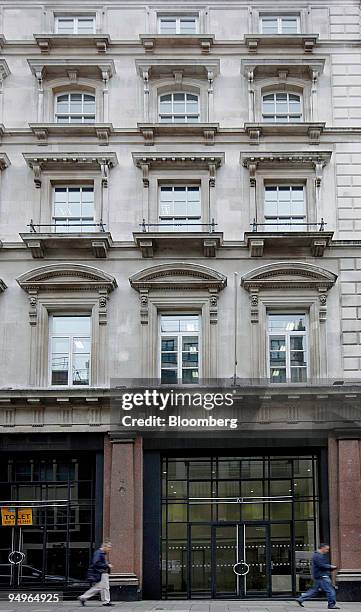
8, 517
12, 516
25, 516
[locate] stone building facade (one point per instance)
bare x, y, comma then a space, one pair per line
180, 205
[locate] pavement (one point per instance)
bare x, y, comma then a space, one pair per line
181, 606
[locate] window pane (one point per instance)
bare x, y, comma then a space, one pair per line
188, 26
167, 25
60, 345
81, 370
60, 369
86, 25
65, 25
71, 325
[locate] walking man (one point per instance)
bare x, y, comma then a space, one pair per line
98, 573
321, 571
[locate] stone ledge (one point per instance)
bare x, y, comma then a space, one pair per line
170, 41
46, 42
256, 41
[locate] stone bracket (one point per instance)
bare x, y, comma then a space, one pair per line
100, 248
318, 247
36, 248
256, 246
146, 248
209, 247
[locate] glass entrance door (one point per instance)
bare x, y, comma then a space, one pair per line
241, 560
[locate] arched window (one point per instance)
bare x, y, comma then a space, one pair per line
281, 107
179, 108
75, 108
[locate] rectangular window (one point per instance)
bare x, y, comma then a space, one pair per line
174, 24
180, 208
280, 24
75, 25
287, 341
70, 339
73, 209
284, 208
179, 351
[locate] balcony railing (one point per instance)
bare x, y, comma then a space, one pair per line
146, 227
53, 226
320, 225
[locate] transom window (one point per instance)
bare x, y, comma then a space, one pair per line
179, 108
280, 24
282, 107
287, 339
178, 25
284, 208
70, 339
73, 208
75, 108
84, 24
180, 207
179, 354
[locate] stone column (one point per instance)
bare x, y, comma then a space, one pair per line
345, 511
123, 509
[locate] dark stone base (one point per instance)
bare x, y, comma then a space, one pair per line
125, 593
349, 590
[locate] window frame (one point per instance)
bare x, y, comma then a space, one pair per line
290, 116
280, 17
288, 335
178, 17
69, 114
82, 228
70, 337
171, 116
75, 19
180, 336
277, 222
180, 218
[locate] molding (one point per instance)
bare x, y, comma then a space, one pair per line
178, 160
175, 41
152, 130
150, 242
3, 287
70, 162
4, 68
4, 160
311, 130
65, 277
303, 67
178, 275
40, 243
315, 241
269, 159
164, 67
59, 68
255, 42
43, 130
288, 275
46, 42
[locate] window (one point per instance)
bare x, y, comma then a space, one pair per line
280, 24
75, 108
281, 107
178, 25
284, 207
179, 108
75, 25
73, 209
287, 335
70, 350
179, 359
180, 207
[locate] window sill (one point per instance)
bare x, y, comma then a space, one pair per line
171, 41
276, 242
152, 130
42, 131
302, 129
40, 243
256, 41
46, 42
206, 242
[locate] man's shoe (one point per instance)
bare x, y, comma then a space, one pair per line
333, 608
300, 603
81, 601
108, 604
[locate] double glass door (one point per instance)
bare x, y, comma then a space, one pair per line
247, 559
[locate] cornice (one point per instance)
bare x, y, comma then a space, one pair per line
47, 42
261, 66
158, 67
178, 275
4, 69
152, 41
288, 275
164, 159
256, 41
4, 160
50, 67
69, 159
66, 276
287, 157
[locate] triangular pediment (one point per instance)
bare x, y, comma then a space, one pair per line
291, 274
178, 275
66, 277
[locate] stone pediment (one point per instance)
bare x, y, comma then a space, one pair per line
179, 275
290, 275
66, 277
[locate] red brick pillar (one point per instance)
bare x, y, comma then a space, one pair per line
345, 512
123, 508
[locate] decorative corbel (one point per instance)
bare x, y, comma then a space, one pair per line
322, 298
252, 167
210, 110
73, 76
212, 175
213, 307
254, 305
33, 307
105, 79
105, 174
144, 306
145, 175
145, 76
318, 171
102, 306
282, 76
314, 85
39, 78
178, 78
251, 109
37, 175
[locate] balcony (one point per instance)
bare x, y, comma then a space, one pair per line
155, 237
310, 236
46, 42
204, 131
44, 238
174, 41
302, 129
255, 42
101, 131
